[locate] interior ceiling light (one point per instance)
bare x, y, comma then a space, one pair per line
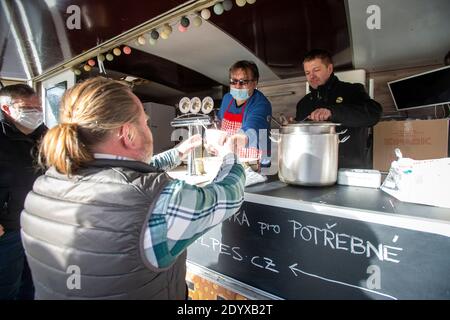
130, 78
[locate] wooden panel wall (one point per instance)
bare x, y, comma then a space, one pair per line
284, 95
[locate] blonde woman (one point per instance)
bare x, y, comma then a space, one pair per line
104, 224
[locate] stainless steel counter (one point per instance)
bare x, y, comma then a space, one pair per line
352, 202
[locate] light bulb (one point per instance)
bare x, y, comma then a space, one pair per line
154, 34
197, 21
126, 50
141, 40
241, 3
218, 8
185, 22
117, 52
181, 28
227, 5
206, 14
167, 29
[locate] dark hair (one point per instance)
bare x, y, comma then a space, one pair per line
324, 55
246, 65
17, 91
447, 59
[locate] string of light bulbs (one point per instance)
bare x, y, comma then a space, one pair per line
162, 32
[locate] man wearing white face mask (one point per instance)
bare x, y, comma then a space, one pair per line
20, 129
245, 111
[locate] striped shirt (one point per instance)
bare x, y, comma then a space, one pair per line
184, 212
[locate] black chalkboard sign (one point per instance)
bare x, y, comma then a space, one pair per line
302, 255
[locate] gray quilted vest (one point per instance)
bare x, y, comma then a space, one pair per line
83, 235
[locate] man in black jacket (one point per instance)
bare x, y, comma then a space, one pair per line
20, 129
340, 102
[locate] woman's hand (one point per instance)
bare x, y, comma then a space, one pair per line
2, 231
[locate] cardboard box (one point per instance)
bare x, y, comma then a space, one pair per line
417, 139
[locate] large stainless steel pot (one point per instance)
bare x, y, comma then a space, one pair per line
308, 153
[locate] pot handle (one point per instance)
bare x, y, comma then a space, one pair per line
344, 138
273, 139
342, 132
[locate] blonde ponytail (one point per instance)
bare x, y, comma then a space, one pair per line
89, 112
62, 149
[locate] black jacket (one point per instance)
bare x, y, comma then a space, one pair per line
17, 170
350, 106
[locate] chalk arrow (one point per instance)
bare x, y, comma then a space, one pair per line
293, 268
329, 227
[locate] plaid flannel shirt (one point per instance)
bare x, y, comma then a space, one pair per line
184, 212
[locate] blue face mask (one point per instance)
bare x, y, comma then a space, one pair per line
239, 94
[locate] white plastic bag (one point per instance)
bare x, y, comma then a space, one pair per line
253, 177
419, 181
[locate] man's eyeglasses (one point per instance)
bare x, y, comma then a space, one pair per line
241, 82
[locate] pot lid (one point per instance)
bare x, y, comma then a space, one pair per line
310, 127
312, 123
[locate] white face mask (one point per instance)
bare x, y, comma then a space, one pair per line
30, 119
